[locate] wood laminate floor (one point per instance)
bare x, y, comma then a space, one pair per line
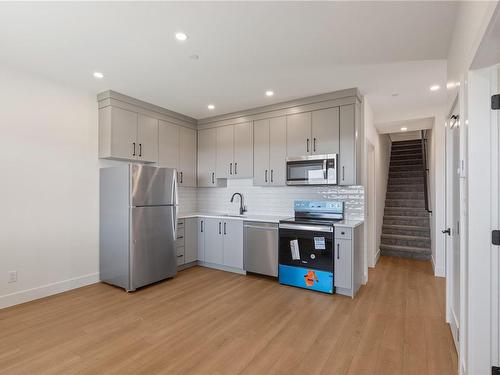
211, 322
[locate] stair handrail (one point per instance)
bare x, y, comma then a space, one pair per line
425, 170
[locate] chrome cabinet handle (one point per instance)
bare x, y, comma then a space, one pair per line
201, 226
343, 173
235, 168
266, 176
338, 251
213, 176
133, 154
181, 178
140, 149
180, 256
272, 175
224, 228
314, 144
220, 228
307, 144
230, 168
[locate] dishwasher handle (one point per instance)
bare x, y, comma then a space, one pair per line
260, 227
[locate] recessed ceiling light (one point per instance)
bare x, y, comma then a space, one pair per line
98, 75
404, 129
180, 36
211, 107
194, 57
395, 94
269, 93
434, 87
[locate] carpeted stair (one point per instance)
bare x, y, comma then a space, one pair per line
406, 228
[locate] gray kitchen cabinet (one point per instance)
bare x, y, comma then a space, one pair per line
233, 243
207, 157
214, 241
200, 230
190, 240
243, 150
179, 242
325, 131
147, 138
343, 264
270, 152
234, 151
177, 149
168, 145
126, 135
187, 157
298, 134
347, 153
225, 152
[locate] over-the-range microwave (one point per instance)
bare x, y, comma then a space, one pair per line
312, 170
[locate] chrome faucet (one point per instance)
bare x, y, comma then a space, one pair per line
242, 207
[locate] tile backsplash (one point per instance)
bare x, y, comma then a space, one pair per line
268, 200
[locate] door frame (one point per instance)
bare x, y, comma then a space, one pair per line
371, 208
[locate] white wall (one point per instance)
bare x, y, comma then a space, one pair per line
382, 146
49, 175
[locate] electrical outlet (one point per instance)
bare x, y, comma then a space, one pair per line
12, 276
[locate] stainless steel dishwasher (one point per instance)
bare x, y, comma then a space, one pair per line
260, 248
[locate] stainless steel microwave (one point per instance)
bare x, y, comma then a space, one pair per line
312, 170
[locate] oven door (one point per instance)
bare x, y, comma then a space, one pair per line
312, 170
309, 246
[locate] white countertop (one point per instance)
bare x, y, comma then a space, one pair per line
256, 217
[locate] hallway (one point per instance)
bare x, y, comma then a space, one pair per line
212, 322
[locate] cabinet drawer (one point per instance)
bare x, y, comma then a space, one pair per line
180, 233
180, 251
180, 260
180, 224
344, 233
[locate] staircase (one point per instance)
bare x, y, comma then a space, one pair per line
406, 228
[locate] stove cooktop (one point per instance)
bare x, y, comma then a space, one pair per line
295, 220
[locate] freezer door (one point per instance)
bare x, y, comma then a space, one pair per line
153, 186
152, 250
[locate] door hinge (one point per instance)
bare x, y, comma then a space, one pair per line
495, 237
495, 370
495, 102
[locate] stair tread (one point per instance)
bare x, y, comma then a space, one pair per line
412, 227
404, 236
406, 248
404, 217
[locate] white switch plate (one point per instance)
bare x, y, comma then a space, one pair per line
12, 276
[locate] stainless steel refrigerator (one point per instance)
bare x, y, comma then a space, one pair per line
138, 219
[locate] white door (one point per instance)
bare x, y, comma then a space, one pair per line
261, 153
147, 137
277, 151
207, 139
187, 157
243, 150
452, 230
225, 152
298, 134
325, 131
168, 145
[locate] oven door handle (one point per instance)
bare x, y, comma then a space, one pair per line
309, 228
325, 170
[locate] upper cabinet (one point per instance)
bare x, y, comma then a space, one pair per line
234, 151
347, 156
177, 149
270, 152
207, 159
313, 133
127, 135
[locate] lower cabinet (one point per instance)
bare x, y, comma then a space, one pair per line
348, 271
213, 241
343, 264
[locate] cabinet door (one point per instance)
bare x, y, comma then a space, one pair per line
347, 157
225, 140
213, 241
187, 157
277, 151
207, 155
201, 239
243, 150
261, 170
233, 243
168, 145
147, 137
298, 134
191, 240
325, 131
124, 134
343, 264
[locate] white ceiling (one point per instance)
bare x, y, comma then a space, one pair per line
295, 48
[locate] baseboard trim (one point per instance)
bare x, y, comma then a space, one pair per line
377, 257
222, 267
47, 290
438, 271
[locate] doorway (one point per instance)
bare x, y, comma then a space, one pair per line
371, 214
452, 230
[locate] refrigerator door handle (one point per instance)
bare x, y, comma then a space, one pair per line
175, 200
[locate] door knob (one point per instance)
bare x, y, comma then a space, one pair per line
447, 231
